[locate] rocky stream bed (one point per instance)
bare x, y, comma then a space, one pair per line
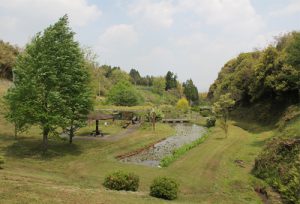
185, 133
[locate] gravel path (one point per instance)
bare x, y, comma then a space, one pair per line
151, 157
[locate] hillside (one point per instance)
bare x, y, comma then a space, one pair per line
265, 86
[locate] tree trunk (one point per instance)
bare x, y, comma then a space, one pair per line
97, 132
16, 132
45, 138
71, 134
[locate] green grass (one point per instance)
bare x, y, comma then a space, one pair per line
206, 173
75, 173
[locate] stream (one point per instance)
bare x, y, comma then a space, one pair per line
185, 133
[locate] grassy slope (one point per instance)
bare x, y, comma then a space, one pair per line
207, 173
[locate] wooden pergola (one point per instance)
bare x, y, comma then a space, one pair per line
99, 116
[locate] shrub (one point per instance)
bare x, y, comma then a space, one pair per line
165, 188
183, 105
210, 121
205, 113
1, 161
124, 94
122, 181
279, 166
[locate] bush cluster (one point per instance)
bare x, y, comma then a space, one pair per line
165, 188
279, 165
161, 187
210, 122
122, 181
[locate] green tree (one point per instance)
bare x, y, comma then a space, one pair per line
124, 94
221, 108
159, 84
16, 112
8, 55
171, 80
293, 51
119, 75
51, 85
135, 76
183, 105
191, 92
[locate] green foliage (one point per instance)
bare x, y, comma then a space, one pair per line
155, 112
165, 188
124, 94
183, 105
191, 92
2, 161
221, 110
279, 165
272, 73
166, 161
135, 76
159, 84
210, 121
51, 84
118, 75
122, 181
205, 113
171, 80
8, 55
293, 51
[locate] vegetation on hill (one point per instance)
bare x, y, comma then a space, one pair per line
271, 74
8, 54
265, 85
279, 163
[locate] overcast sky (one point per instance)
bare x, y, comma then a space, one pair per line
192, 38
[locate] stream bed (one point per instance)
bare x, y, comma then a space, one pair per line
185, 134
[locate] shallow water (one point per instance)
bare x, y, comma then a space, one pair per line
185, 133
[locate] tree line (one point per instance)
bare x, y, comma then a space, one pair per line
269, 74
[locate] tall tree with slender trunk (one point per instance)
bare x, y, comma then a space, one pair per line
51, 82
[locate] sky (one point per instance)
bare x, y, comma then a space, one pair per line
192, 38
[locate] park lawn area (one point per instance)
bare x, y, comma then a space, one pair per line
112, 128
74, 173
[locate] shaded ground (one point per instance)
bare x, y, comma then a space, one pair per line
125, 133
152, 156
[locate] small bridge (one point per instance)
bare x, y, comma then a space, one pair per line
177, 120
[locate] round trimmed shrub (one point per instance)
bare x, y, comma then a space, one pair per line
165, 188
210, 121
122, 181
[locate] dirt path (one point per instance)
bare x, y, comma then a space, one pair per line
124, 133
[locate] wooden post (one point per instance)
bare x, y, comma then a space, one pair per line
97, 132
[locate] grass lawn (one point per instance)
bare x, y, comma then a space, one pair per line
207, 173
74, 173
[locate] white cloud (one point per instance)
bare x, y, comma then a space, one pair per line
79, 11
290, 9
116, 42
158, 13
21, 19
118, 36
230, 15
